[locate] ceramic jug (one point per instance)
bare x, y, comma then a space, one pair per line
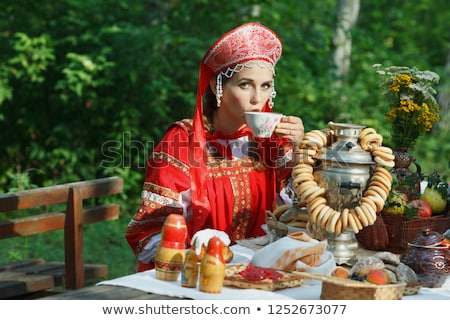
428, 258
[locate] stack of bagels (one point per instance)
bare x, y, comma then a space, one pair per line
291, 215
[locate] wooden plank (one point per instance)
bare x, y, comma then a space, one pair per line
105, 212
9, 275
99, 187
39, 294
33, 198
31, 278
95, 271
32, 225
55, 269
106, 292
58, 272
20, 264
55, 221
73, 240
58, 194
25, 284
46, 268
97, 293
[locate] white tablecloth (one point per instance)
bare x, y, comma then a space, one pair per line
146, 281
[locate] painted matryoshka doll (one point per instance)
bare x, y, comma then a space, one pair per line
212, 267
190, 270
170, 254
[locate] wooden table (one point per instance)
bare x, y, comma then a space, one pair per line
137, 287
108, 293
112, 292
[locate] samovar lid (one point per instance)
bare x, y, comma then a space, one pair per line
345, 147
346, 129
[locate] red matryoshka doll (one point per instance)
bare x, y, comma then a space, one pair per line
212, 267
170, 254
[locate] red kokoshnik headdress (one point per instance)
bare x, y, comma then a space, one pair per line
251, 41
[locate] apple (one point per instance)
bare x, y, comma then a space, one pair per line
422, 207
446, 241
378, 276
340, 272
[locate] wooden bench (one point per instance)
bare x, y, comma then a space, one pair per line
25, 277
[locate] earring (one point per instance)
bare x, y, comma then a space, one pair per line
219, 90
273, 94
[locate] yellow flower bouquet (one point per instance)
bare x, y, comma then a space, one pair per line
413, 107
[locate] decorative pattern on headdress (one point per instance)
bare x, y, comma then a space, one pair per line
249, 42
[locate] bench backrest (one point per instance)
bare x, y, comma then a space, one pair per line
72, 220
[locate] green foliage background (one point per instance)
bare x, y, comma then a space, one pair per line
88, 87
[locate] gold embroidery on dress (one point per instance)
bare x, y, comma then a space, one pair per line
164, 192
171, 160
241, 207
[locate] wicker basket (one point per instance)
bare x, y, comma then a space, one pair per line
334, 288
374, 237
401, 231
412, 288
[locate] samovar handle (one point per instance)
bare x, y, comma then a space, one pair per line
350, 185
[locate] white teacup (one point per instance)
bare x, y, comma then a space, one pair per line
262, 124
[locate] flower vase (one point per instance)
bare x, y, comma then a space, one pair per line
408, 180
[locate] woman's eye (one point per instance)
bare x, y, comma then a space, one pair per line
243, 85
266, 86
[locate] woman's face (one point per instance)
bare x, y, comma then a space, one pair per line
247, 90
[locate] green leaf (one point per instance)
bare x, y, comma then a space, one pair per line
410, 212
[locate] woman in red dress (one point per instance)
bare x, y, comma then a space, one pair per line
211, 169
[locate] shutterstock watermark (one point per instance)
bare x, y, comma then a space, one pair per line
128, 152
122, 153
